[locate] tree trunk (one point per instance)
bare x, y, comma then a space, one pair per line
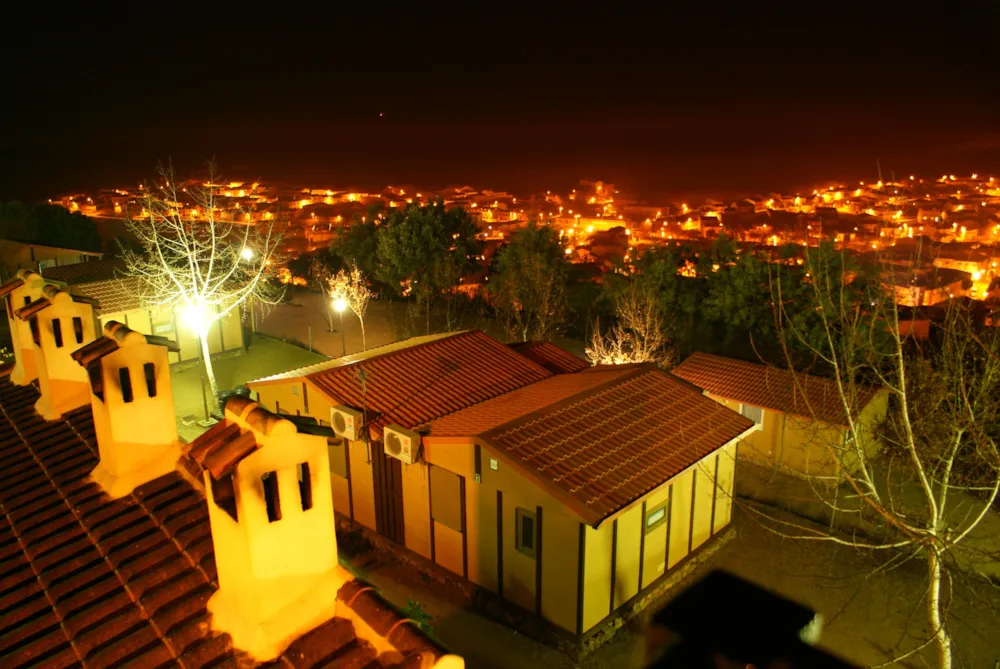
364, 340
213, 396
941, 636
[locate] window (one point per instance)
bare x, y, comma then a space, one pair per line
655, 517
295, 390
305, 486
756, 414
446, 498
27, 300
224, 494
57, 332
36, 335
149, 371
494, 465
525, 526
125, 379
270, 482
337, 449
305, 399
78, 329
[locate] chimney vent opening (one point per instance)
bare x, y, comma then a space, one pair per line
271, 500
126, 383
149, 371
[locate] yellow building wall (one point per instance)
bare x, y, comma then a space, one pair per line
447, 547
724, 488
655, 544
362, 485
680, 517
627, 555
597, 579
704, 491
417, 512
560, 566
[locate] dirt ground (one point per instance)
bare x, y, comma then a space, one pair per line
868, 616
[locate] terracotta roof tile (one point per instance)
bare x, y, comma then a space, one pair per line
114, 295
85, 272
86, 581
551, 357
602, 438
418, 380
768, 387
11, 286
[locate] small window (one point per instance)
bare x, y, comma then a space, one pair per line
78, 329
36, 335
224, 494
27, 300
494, 465
337, 449
305, 399
756, 414
125, 379
656, 517
526, 528
149, 371
57, 332
270, 481
305, 486
295, 390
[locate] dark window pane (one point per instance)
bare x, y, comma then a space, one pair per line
35, 332
305, 486
78, 329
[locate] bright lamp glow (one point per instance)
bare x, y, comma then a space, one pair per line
247, 253
195, 316
339, 304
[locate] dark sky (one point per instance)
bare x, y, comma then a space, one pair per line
658, 103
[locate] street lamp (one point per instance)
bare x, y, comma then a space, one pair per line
339, 304
247, 253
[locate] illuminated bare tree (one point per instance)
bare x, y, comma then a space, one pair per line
351, 287
199, 257
637, 335
921, 481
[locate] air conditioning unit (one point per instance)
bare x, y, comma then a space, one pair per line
346, 422
402, 444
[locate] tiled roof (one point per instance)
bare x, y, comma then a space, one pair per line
221, 448
600, 439
795, 393
114, 295
85, 272
417, 380
550, 356
86, 581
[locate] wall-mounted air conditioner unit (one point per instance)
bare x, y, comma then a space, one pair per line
346, 422
402, 444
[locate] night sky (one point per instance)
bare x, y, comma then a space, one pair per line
664, 103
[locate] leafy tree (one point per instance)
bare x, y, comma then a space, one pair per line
48, 224
527, 285
357, 245
424, 251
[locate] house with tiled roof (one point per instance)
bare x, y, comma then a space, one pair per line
550, 356
118, 297
114, 554
803, 420
563, 495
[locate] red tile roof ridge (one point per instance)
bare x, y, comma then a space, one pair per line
783, 390
11, 285
369, 355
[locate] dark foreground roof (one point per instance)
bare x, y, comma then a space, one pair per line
86, 581
85, 272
